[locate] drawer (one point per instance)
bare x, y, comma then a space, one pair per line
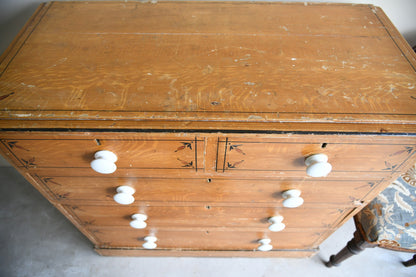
207, 216
208, 190
348, 157
208, 239
132, 152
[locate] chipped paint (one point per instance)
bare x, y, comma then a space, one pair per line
29, 86
251, 117
208, 70
21, 115
391, 90
60, 61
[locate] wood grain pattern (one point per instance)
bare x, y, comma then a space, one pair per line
184, 62
286, 253
211, 108
209, 239
151, 153
266, 155
187, 191
202, 216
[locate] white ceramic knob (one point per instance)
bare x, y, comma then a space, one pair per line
138, 221
277, 224
104, 162
124, 195
317, 165
292, 198
265, 245
150, 242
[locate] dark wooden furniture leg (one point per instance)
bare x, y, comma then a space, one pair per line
353, 247
410, 262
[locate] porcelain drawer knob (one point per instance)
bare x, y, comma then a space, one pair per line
317, 165
277, 224
292, 198
124, 195
150, 242
265, 245
104, 162
138, 221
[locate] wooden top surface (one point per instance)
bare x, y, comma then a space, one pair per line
209, 65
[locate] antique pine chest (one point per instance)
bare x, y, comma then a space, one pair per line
208, 128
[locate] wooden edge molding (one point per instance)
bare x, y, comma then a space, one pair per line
396, 36
126, 252
22, 36
203, 126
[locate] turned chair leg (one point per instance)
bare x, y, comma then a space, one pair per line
353, 247
410, 262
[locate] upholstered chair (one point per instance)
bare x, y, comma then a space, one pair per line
389, 221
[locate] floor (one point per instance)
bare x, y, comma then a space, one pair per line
36, 240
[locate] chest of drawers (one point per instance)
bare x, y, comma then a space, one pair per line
204, 129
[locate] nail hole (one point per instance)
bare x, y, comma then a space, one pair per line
324, 145
215, 103
208, 207
207, 232
97, 141
209, 180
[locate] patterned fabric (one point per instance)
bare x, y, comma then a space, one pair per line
390, 219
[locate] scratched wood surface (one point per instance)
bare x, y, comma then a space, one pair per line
219, 67
223, 63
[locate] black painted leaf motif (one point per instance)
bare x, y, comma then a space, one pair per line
236, 148
50, 180
234, 165
186, 164
407, 149
389, 166
29, 163
63, 196
13, 144
184, 146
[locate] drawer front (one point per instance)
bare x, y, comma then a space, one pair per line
240, 156
206, 190
209, 239
133, 153
207, 216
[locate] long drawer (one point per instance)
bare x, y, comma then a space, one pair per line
233, 191
133, 152
355, 157
208, 239
208, 216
